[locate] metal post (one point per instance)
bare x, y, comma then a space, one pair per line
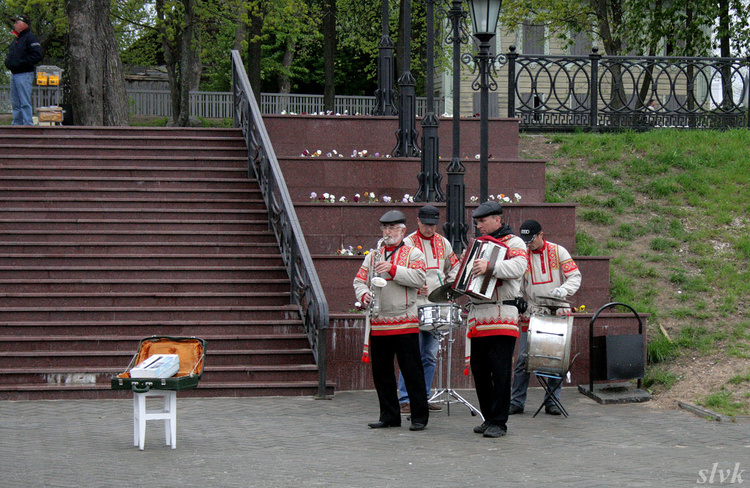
594, 92
407, 125
484, 106
430, 178
512, 56
385, 95
455, 224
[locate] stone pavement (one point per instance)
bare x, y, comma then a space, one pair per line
303, 442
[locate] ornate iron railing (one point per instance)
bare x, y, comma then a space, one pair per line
307, 292
614, 92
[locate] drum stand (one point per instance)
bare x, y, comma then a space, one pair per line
549, 393
448, 395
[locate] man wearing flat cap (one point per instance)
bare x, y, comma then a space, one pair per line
493, 324
24, 54
442, 267
551, 272
392, 326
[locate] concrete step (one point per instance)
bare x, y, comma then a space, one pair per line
96, 171
71, 150
145, 328
221, 285
125, 160
150, 314
110, 359
72, 375
127, 182
125, 140
129, 343
139, 248
142, 272
131, 224
146, 299
54, 132
142, 235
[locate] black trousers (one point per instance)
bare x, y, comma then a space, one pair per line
492, 368
405, 348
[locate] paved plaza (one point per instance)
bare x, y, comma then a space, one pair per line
303, 442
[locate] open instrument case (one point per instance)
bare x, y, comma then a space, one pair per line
192, 352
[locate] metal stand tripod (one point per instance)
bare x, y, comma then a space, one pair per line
447, 395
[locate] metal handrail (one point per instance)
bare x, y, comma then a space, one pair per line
306, 290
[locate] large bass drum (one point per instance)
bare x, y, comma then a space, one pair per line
439, 316
549, 344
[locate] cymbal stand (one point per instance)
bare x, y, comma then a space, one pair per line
447, 395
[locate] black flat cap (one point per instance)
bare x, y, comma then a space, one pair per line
429, 215
393, 217
486, 209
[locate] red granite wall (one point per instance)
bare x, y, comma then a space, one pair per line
292, 134
347, 331
336, 274
397, 176
329, 227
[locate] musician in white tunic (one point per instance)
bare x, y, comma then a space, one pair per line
551, 272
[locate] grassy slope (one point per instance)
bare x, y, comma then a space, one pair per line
672, 208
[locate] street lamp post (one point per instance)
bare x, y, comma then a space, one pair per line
484, 16
407, 145
455, 226
385, 95
430, 178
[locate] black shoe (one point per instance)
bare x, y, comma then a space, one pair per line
514, 409
494, 431
382, 425
417, 426
552, 410
479, 429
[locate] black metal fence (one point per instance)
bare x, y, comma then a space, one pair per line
598, 92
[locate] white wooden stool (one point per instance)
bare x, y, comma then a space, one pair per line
168, 414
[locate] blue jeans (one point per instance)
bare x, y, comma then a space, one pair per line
20, 98
521, 377
428, 347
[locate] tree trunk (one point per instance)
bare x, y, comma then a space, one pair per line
285, 84
97, 84
169, 58
188, 64
329, 55
254, 52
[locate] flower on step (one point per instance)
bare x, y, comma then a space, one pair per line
354, 153
332, 198
371, 196
342, 200
502, 198
473, 199
313, 195
356, 197
326, 196
386, 199
335, 152
581, 309
377, 154
477, 156
491, 197
407, 198
518, 197
329, 155
305, 153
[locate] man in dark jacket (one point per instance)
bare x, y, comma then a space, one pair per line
24, 53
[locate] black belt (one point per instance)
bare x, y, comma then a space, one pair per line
509, 302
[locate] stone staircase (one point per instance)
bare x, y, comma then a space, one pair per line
110, 235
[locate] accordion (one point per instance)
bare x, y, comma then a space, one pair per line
481, 287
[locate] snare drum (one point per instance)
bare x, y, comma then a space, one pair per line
439, 316
549, 344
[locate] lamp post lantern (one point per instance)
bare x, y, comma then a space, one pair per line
484, 17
